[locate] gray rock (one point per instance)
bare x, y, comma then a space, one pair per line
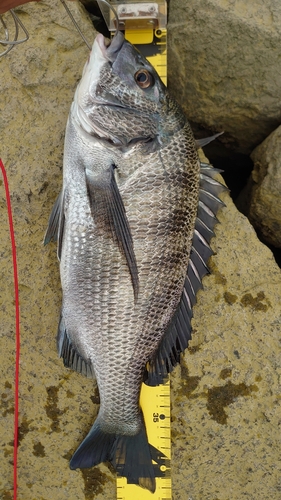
225, 395
224, 66
263, 205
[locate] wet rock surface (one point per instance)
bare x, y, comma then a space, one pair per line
226, 393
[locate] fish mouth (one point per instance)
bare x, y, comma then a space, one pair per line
110, 48
104, 51
103, 43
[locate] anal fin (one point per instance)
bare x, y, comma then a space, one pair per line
71, 357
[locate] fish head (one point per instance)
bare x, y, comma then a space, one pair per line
120, 98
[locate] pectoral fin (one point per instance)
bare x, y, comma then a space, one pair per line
109, 214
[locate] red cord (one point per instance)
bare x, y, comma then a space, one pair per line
16, 288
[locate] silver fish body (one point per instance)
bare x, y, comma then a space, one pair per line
127, 222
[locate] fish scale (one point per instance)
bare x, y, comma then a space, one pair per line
131, 246
150, 314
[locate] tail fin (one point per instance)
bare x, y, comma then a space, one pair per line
129, 455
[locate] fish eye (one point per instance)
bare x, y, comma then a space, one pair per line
144, 79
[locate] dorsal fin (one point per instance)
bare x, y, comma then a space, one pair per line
53, 223
179, 330
200, 143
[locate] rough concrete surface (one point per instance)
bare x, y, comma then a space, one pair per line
224, 66
226, 394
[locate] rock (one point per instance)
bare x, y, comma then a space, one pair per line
226, 394
263, 205
223, 66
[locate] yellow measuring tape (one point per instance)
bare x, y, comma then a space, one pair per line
154, 401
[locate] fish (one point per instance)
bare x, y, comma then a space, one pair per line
133, 225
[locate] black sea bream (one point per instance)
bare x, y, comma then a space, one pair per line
133, 223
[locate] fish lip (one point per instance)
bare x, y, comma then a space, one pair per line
110, 48
100, 40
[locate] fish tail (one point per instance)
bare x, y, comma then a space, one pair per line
129, 454
132, 459
93, 450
